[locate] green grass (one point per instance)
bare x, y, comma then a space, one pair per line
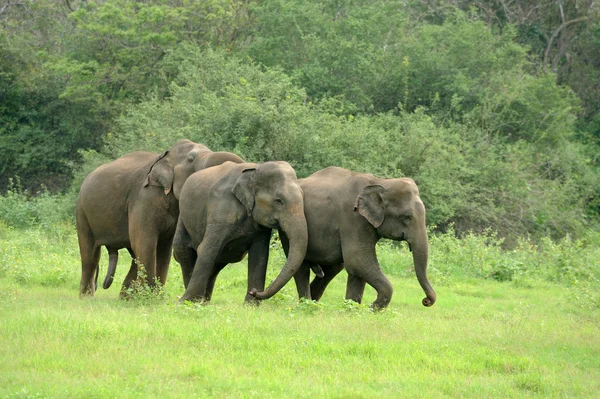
532, 336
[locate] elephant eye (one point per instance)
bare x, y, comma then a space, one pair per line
278, 201
190, 158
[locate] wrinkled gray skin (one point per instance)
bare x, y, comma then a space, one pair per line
230, 210
132, 203
347, 213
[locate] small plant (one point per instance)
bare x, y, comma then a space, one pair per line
8, 295
140, 290
307, 306
355, 307
585, 296
55, 277
22, 275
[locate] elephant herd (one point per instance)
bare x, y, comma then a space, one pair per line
212, 208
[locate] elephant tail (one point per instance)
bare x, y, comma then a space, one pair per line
113, 257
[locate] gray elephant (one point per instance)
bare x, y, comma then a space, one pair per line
347, 213
230, 210
132, 203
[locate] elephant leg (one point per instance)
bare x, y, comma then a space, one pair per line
258, 258
163, 258
371, 274
146, 249
318, 285
89, 270
187, 259
184, 253
213, 278
355, 288
131, 276
302, 279
207, 254
90, 256
361, 262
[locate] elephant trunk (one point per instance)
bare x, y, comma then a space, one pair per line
296, 230
420, 250
113, 257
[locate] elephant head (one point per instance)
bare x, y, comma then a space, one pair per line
172, 168
272, 198
396, 211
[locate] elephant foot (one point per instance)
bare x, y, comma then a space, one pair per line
125, 295
86, 294
251, 300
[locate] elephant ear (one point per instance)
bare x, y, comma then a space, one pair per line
243, 189
369, 204
160, 174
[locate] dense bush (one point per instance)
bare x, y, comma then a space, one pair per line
443, 93
469, 173
20, 208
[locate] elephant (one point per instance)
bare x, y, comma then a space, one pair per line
132, 203
229, 211
347, 213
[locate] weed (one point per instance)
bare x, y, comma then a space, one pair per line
306, 306
141, 291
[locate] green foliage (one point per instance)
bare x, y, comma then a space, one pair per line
39, 257
482, 256
142, 292
19, 208
439, 92
332, 48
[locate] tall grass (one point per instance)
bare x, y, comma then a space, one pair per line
531, 335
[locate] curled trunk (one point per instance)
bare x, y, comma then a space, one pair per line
420, 250
296, 230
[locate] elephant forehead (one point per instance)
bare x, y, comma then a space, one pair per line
182, 150
402, 187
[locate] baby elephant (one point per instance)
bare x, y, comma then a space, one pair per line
228, 211
347, 213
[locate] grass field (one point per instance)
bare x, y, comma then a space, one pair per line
529, 335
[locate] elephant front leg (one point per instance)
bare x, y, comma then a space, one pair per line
362, 266
184, 253
146, 249
206, 262
258, 258
212, 280
355, 288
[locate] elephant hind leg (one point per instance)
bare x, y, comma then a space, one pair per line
355, 288
318, 285
90, 256
131, 275
89, 271
302, 278
164, 251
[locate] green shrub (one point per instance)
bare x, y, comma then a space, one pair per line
19, 208
473, 172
